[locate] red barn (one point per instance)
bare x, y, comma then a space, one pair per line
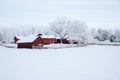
34, 41
30, 42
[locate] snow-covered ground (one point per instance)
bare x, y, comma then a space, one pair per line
79, 63
58, 46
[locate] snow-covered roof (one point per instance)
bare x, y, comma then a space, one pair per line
29, 38
32, 37
20, 37
47, 36
57, 37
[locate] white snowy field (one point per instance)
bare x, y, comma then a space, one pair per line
80, 63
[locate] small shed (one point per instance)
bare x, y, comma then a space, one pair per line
64, 41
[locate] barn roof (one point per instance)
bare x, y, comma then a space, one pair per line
29, 38
48, 36
19, 37
58, 37
32, 37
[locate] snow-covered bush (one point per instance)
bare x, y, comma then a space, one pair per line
115, 36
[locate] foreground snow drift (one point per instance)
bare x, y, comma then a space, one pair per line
84, 63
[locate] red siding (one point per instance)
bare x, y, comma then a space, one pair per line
38, 41
25, 45
65, 41
49, 40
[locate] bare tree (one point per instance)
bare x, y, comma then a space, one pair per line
59, 28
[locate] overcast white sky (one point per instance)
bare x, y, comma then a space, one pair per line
42, 12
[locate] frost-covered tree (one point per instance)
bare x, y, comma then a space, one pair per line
59, 28
1, 37
33, 30
117, 35
102, 35
77, 31
112, 38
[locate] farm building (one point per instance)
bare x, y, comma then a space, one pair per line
48, 39
17, 38
34, 41
64, 41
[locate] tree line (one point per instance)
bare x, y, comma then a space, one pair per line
72, 30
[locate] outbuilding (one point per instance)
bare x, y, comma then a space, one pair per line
34, 41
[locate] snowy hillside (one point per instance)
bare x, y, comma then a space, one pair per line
80, 63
